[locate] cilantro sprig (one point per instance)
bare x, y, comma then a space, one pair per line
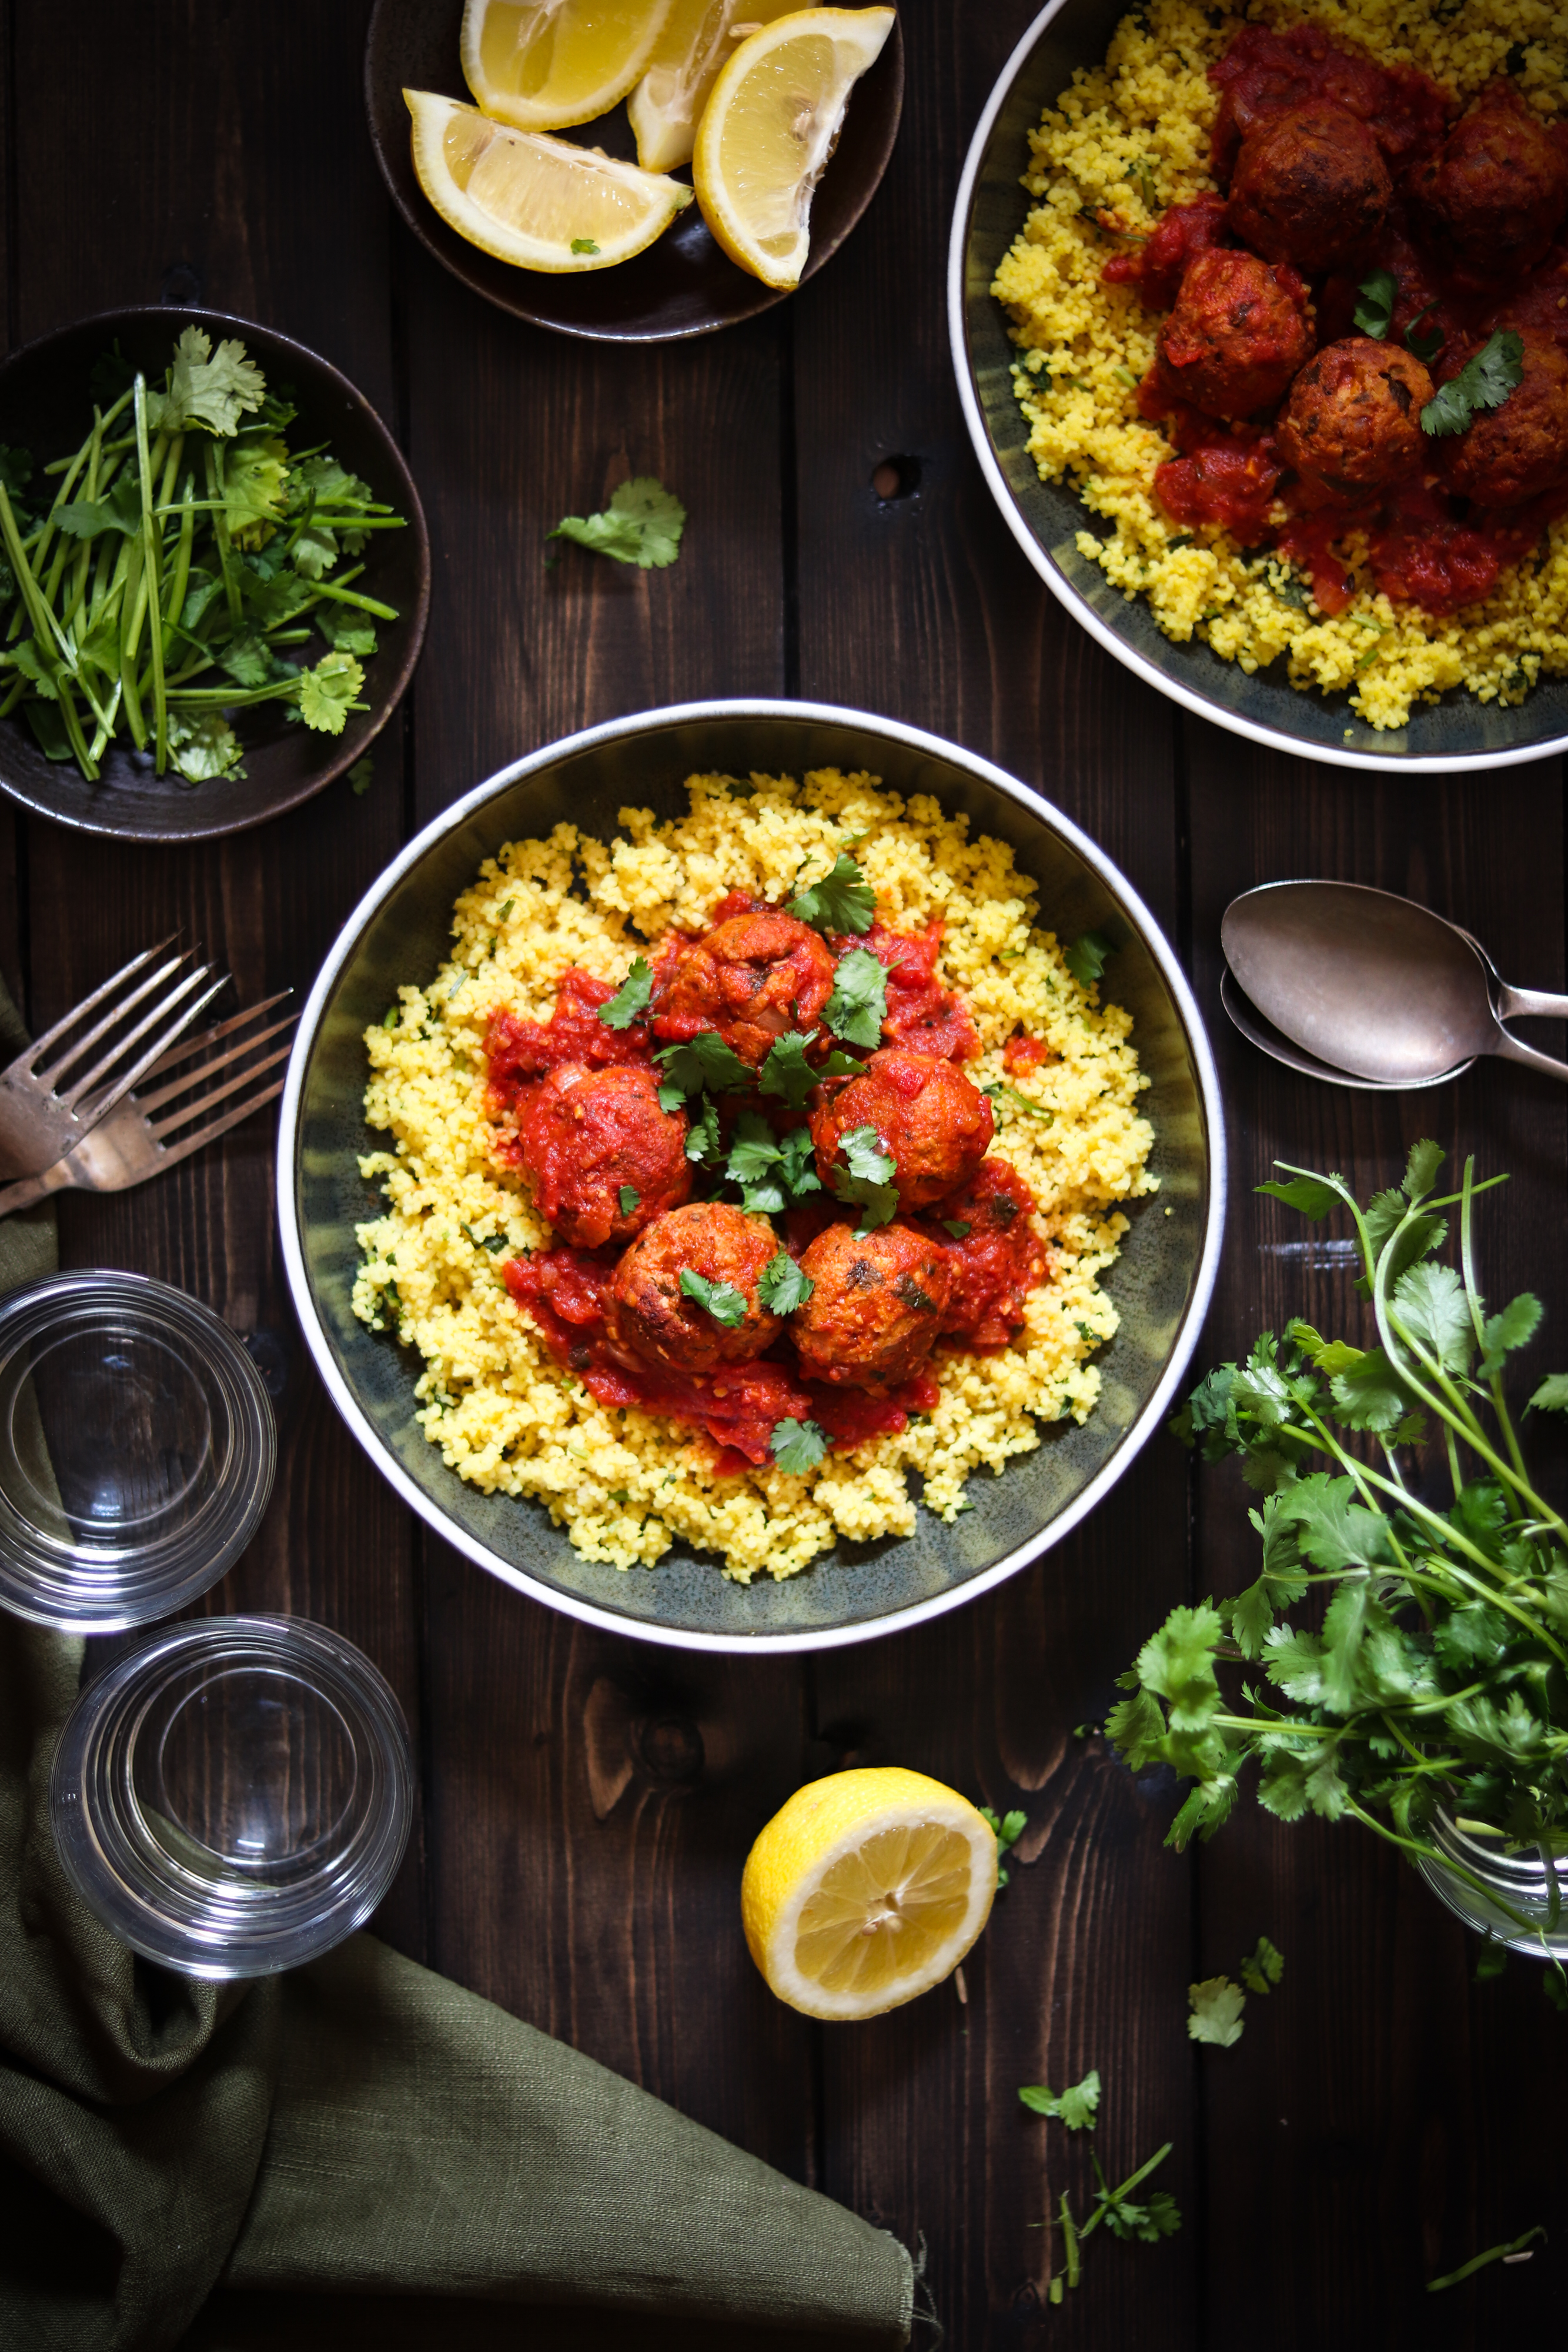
1076, 2106
185, 555
698, 1065
642, 525
841, 901
1007, 1829
1376, 296
786, 1071
774, 1172
630, 1001
1436, 1673
858, 1006
796, 1446
784, 1286
1484, 382
1087, 956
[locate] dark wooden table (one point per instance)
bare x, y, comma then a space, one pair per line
587, 1801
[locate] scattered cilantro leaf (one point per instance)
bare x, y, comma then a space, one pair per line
1007, 1829
583, 244
1514, 2250
1076, 2106
783, 1287
1086, 957
360, 775
1263, 1967
630, 1001
1490, 1961
858, 1006
786, 1071
1125, 2219
999, 1091
960, 1229
796, 1446
1375, 307
642, 525
1426, 347
1484, 382
630, 1199
842, 900
1216, 2005
864, 1178
722, 1300
699, 1064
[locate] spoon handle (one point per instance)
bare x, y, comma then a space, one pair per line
1514, 1049
1529, 1003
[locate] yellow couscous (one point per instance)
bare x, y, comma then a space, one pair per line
1125, 142
626, 1484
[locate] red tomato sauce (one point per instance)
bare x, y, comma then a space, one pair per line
921, 1014
1423, 546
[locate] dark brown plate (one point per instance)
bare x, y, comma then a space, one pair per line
684, 284
45, 407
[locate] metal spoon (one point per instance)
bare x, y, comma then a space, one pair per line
1372, 988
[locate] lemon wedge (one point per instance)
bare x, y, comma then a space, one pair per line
698, 39
866, 1889
541, 203
768, 131
543, 65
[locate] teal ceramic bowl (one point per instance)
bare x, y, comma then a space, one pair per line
1045, 517
1161, 1284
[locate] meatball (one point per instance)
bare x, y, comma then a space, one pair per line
1513, 453
751, 977
586, 1136
1495, 190
1311, 187
935, 1122
1238, 335
654, 1317
876, 1306
1353, 422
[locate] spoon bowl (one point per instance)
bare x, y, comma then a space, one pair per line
1371, 987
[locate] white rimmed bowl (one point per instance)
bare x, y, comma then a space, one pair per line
400, 932
1045, 518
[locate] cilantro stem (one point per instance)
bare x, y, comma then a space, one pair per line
214, 457
340, 595
1430, 1853
181, 579
45, 626
1478, 2262
151, 568
1070, 2240
1472, 1300
1114, 2196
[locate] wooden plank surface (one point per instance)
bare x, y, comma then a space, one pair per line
588, 1801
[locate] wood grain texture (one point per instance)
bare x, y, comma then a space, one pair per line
1356, 2141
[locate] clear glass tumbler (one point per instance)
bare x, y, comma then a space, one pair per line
1516, 1895
234, 1795
137, 1450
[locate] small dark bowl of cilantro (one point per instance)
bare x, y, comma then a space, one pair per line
216, 575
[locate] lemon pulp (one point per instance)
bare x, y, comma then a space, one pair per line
699, 39
543, 65
881, 1915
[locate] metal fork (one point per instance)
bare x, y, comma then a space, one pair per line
48, 1106
144, 1134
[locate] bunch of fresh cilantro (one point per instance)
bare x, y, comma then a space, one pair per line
1394, 1490
184, 553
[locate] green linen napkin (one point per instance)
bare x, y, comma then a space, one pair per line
360, 2125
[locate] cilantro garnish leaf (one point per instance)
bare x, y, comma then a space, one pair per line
783, 1287
1076, 2106
1087, 955
858, 1006
960, 1230
1426, 347
630, 1001
1216, 2005
583, 244
701, 1063
999, 1091
1484, 382
1375, 309
704, 1145
1263, 1967
630, 1199
865, 1179
796, 1446
722, 1300
842, 900
362, 774
786, 1071
642, 525
772, 1171
1125, 2219
327, 692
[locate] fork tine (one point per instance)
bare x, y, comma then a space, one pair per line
190, 1143
117, 1013
215, 1095
104, 1090
193, 1043
147, 1104
105, 987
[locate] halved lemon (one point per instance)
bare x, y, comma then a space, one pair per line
543, 65
699, 39
768, 131
541, 203
866, 1889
